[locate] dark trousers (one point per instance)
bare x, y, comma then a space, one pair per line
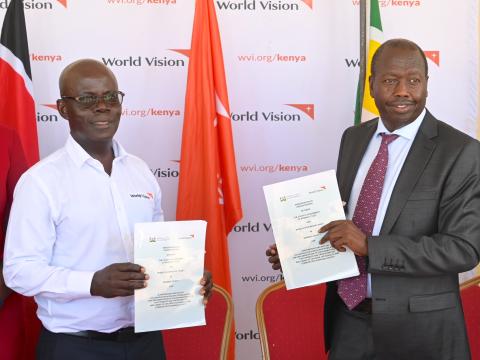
352, 335
144, 346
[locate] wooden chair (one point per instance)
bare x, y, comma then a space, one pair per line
290, 323
204, 342
470, 294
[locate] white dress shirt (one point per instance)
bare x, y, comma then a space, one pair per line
397, 153
69, 219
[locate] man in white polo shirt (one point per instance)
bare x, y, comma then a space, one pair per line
70, 235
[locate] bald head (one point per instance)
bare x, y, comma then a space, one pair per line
398, 44
81, 69
92, 124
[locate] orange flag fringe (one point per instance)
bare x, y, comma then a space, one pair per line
208, 185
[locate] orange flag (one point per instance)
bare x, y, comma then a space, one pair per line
208, 185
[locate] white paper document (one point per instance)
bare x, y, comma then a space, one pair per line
298, 208
172, 254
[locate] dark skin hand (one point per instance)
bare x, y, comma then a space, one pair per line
124, 278
207, 285
344, 233
340, 233
273, 258
118, 280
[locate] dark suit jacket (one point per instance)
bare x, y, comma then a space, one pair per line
430, 233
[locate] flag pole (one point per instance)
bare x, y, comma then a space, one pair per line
362, 62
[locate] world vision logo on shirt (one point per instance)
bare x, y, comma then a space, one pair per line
147, 195
36, 4
264, 5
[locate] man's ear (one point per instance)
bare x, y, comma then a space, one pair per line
427, 87
370, 83
62, 108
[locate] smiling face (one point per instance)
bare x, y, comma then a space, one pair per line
399, 85
97, 124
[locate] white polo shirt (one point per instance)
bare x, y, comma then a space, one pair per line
69, 219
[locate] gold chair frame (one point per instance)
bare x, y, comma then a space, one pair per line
261, 319
472, 282
227, 329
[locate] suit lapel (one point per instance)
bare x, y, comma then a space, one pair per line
415, 163
359, 146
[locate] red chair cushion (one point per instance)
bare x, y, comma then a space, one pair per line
471, 308
199, 342
294, 323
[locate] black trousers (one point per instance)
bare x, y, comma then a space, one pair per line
352, 335
145, 346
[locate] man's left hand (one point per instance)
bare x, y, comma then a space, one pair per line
344, 233
207, 285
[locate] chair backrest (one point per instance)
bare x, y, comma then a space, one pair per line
470, 294
204, 342
290, 323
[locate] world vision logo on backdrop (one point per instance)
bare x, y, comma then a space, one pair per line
47, 114
276, 167
297, 114
175, 60
36, 4
272, 58
264, 5
394, 3
252, 227
352, 63
36, 57
433, 55
169, 171
151, 112
141, 2
308, 109
247, 335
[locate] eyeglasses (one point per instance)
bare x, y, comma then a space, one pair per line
87, 101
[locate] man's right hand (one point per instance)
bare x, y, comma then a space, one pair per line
118, 280
273, 258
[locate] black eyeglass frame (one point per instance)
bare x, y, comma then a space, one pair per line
120, 95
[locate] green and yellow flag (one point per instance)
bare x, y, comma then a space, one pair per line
365, 108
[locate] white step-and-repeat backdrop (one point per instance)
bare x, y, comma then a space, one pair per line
292, 70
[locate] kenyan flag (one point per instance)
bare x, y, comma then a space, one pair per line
365, 108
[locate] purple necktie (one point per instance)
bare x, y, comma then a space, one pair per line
354, 290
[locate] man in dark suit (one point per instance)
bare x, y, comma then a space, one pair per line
412, 188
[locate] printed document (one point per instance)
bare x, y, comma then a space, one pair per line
298, 208
172, 254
